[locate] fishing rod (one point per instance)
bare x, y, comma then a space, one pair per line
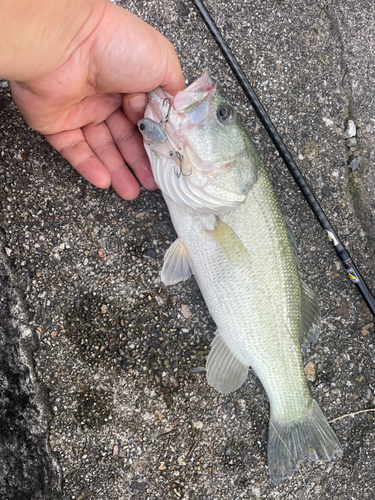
341, 251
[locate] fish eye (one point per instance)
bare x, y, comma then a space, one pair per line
225, 113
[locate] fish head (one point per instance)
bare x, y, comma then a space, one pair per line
198, 138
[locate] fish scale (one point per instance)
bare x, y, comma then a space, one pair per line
233, 237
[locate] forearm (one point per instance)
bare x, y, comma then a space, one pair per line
37, 36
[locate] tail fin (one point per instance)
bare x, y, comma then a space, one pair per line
307, 437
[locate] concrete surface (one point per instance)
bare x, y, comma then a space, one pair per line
115, 404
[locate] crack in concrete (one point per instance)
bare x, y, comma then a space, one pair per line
362, 212
29, 469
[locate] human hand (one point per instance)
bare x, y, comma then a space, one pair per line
88, 107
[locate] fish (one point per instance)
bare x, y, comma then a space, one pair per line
234, 239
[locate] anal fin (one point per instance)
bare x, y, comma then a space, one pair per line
177, 265
225, 372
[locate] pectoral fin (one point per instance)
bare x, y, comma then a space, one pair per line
229, 242
225, 371
177, 264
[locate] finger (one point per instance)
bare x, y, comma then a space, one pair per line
130, 144
101, 142
134, 106
74, 148
173, 80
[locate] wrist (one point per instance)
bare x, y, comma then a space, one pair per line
43, 39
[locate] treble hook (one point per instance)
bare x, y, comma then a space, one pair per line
172, 153
167, 99
180, 158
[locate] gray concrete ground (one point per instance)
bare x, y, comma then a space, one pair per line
115, 404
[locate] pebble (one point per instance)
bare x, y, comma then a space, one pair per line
368, 393
181, 461
354, 164
4, 84
102, 254
365, 329
349, 143
310, 371
197, 369
198, 425
151, 253
350, 129
186, 312
158, 414
159, 300
103, 309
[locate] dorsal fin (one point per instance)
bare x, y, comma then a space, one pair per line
310, 310
177, 264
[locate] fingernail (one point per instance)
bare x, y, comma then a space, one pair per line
138, 103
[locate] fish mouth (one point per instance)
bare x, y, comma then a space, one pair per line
184, 101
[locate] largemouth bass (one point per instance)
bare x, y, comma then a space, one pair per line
233, 237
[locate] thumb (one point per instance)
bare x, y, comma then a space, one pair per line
134, 106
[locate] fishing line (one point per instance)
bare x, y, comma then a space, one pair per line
341, 251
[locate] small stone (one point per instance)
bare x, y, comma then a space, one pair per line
350, 129
162, 466
103, 309
8, 251
151, 253
368, 393
158, 414
4, 84
365, 329
349, 143
197, 369
354, 164
53, 334
186, 312
198, 425
310, 371
174, 382
86, 261
159, 300
102, 254
181, 461
115, 450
